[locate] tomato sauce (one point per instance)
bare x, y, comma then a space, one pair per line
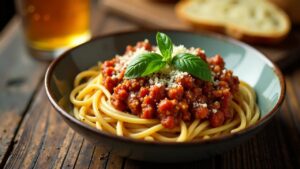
190, 99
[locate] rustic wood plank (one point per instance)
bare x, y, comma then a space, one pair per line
290, 123
73, 152
32, 143
85, 157
40, 137
114, 162
64, 149
262, 151
29, 140
53, 137
288, 135
113, 24
98, 15
99, 159
293, 90
147, 13
20, 76
104, 22
203, 164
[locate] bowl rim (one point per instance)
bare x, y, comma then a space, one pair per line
259, 123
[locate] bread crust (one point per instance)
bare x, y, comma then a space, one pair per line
233, 30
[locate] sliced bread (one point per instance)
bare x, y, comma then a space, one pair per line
256, 21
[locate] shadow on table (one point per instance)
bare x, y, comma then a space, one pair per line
203, 164
288, 50
291, 62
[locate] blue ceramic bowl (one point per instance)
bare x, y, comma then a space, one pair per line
249, 64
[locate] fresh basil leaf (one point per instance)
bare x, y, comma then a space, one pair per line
143, 65
165, 45
154, 66
192, 64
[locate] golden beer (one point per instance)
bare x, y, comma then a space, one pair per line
55, 24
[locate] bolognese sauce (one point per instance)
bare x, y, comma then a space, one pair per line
171, 95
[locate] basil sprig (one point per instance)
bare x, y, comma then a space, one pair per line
165, 46
194, 65
147, 63
144, 64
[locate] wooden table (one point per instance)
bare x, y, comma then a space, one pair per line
33, 135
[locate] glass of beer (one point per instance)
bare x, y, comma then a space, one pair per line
51, 27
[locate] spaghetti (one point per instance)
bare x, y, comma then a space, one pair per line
92, 105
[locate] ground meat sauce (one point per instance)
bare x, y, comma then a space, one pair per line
191, 98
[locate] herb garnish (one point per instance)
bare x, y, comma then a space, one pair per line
148, 63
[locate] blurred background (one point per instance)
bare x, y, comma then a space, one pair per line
157, 14
7, 11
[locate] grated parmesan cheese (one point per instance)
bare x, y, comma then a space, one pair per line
167, 79
196, 104
203, 105
132, 95
181, 49
167, 76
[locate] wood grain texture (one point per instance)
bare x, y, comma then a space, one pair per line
153, 14
105, 22
99, 159
20, 77
203, 164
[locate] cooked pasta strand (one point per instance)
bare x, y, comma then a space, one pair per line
92, 106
